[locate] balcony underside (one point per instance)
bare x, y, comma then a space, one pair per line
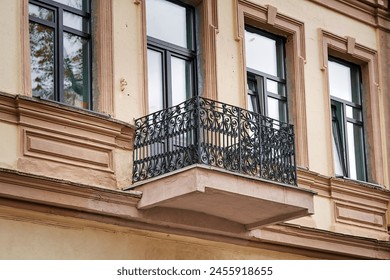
249, 201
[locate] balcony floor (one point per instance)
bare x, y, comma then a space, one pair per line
242, 199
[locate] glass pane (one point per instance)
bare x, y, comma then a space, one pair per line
253, 104
261, 53
180, 80
275, 87
340, 81
155, 81
277, 109
78, 4
40, 12
356, 152
42, 60
76, 71
354, 113
337, 158
168, 22
75, 21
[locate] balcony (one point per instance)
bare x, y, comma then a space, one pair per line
203, 131
202, 154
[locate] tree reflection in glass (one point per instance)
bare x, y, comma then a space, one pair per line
42, 60
75, 60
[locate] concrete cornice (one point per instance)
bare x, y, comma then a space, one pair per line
112, 207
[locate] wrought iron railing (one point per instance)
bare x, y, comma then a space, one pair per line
208, 132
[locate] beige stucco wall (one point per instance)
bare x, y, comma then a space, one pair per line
128, 59
10, 54
29, 235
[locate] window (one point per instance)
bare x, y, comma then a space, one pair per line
60, 51
266, 81
171, 53
347, 119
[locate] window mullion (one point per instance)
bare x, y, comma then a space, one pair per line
168, 78
345, 136
261, 95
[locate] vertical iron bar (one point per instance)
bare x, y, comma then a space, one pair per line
260, 134
239, 141
199, 137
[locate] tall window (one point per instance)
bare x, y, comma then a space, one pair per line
60, 43
171, 53
347, 119
265, 62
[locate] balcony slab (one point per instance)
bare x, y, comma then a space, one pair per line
249, 201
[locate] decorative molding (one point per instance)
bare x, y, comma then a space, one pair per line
66, 142
271, 14
371, 12
351, 42
345, 245
357, 205
60, 193
25, 49
359, 216
269, 19
68, 150
104, 62
210, 30
347, 48
99, 208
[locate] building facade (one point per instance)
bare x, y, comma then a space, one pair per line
195, 129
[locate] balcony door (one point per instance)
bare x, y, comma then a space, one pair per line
171, 53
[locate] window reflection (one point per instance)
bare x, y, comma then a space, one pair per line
60, 56
75, 21
78, 4
340, 81
155, 82
180, 80
40, 12
42, 60
168, 22
76, 85
261, 53
265, 73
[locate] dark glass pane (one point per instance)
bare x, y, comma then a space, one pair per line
168, 22
356, 152
42, 60
155, 81
76, 22
78, 4
254, 104
76, 76
40, 12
